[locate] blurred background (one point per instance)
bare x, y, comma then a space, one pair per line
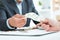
47, 8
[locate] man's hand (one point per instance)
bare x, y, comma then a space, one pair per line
49, 25
17, 21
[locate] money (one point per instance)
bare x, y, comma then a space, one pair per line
34, 16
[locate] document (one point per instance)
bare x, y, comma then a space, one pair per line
35, 32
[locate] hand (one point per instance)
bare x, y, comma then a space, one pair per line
49, 25
17, 21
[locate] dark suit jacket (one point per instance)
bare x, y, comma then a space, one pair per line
9, 8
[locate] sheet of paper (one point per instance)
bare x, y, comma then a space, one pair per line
29, 32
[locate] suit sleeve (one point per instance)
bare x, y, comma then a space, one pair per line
3, 19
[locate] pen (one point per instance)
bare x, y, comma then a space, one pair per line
29, 29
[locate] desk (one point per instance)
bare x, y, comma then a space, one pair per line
55, 36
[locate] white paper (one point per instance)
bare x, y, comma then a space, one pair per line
34, 16
29, 32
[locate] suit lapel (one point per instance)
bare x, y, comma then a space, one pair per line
14, 7
12, 4
24, 7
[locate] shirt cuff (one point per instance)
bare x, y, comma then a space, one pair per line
9, 25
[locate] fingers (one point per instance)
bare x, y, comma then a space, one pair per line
45, 27
46, 21
17, 20
43, 22
19, 16
39, 24
54, 29
49, 25
48, 28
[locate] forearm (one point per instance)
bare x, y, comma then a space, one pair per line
3, 19
3, 25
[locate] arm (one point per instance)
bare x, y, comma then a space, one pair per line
3, 19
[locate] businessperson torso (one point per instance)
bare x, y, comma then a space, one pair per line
10, 8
